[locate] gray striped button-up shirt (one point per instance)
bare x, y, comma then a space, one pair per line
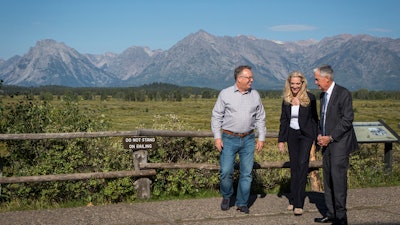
238, 112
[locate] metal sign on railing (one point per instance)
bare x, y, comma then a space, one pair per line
138, 143
378, 132
375, 132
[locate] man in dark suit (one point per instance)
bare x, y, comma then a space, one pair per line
337, 138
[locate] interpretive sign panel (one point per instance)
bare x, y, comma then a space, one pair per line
374, 132
139, 143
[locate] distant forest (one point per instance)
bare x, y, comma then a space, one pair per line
156, 92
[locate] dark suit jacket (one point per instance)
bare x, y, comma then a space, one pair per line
339, 121
308, 120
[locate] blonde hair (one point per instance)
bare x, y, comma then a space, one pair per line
302, 95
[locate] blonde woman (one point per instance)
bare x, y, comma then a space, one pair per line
298, 128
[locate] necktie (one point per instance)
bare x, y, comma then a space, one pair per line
323, 114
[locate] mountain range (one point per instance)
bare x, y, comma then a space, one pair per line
205, 60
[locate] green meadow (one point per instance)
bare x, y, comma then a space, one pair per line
196, 113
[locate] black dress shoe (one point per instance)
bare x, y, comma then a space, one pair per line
340, 222
325, 219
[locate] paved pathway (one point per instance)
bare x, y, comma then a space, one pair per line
365, 207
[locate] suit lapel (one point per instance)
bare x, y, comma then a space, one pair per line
332, 99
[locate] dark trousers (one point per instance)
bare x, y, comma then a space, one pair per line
335, 166
299, 154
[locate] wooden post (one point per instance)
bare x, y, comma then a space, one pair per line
1, 170
315, 180
142, 185
388, 157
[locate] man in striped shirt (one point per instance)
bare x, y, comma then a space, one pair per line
238, 112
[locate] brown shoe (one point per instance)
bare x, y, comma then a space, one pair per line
298, 211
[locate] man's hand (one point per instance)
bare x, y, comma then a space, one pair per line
260, 145
323, 140
218, 143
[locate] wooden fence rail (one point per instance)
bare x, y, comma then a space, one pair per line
206, 166
141, 132
142, 170
78, 176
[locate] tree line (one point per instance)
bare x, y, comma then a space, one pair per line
156, 92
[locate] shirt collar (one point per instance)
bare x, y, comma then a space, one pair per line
330, 89
236, 89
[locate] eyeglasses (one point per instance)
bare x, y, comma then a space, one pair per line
248, 78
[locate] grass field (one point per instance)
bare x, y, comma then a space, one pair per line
196, 114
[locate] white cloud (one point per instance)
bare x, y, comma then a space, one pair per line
383, 30
292, 27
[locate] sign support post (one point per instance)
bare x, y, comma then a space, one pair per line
140, 145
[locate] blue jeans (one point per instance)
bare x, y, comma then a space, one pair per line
245, 148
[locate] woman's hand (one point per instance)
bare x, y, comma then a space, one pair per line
281, 147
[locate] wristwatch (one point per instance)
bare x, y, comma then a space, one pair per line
331, 139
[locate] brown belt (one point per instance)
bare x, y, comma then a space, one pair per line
237, 134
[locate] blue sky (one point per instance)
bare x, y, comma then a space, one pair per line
99, 26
